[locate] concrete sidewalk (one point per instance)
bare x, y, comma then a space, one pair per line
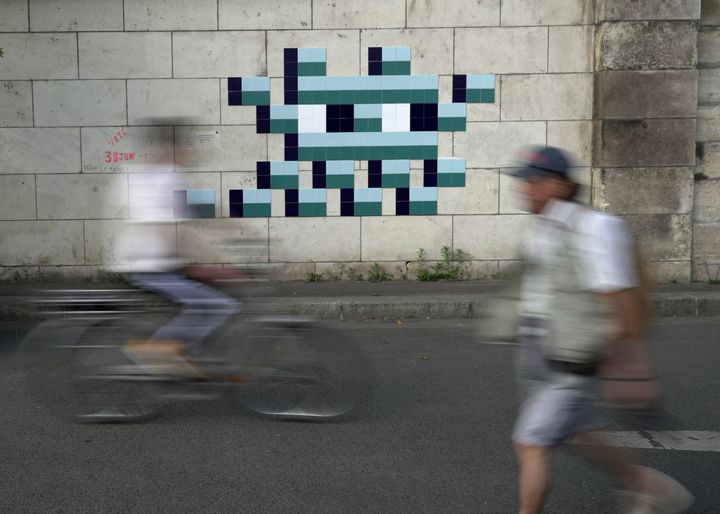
383, 300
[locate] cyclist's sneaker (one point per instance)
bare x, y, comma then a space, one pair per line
160, 357
672, 498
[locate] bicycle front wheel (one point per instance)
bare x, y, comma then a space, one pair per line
300, 370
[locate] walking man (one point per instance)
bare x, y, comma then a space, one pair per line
576, 306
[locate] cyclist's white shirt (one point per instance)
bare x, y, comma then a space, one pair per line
605, 247
147, 242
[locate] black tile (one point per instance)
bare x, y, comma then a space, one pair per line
430, 166
262, 112
319, 180
236, 196
291, 69
263, 167
431, 110
347, 209
291, 83
291, 196
375, 68
375, 54
347, 125
374, 179
263, 126
236, 210
332, 125
459, 81
417, 125
292, 210
332, 112
431, 124
347, 195
263, 182
319, 166
429, 179
402, 194
235, 98
235, 84
291, 154
402, 208
417, 110
291, 97
459, 96
375, 166
291, 140
291, 55
347, 111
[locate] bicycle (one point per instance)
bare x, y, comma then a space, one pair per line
284, 367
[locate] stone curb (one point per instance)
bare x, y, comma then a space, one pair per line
403, 307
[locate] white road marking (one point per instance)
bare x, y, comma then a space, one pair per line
687, 440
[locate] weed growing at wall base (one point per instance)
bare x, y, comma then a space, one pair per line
451, 267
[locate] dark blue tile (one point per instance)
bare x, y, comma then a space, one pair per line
402, 194
402, 208
375, 166
291, 97
291, 140
429, 179
375, 54
291, 69
347, 195
347, 209
430, 166
459, 81
236, 210
262, 112
319, 166
291, 54
291, 154
235, 84
236, 196
375, 68
291, 196
291, 83
263, 126
459, 96
319, 180
235, 98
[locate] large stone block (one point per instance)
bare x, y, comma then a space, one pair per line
171, 14
115, 55
710, 159
571, 49
75, 15
706, 244
432, 49
15, 16
708, 47
479, 196
19, 274
399, 238
501, 50
264, 14
113, 149
564, 96
495, 144
662, 237
616, 10
710, 12
709, 87
16, 104
62, 103
511, 196
38, 56
219, 54
644, 190
490, 237
708, 122
17, 197
646, 45
661, 142
39, 150
41, 243
102, 239
224, 240
647, 94
459, 13
707, 201
546, 12
669, 272
573, 136
343, 49
79, 196
195, 99
220, 148
314, 239
347, 14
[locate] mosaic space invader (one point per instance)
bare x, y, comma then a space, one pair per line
387, 118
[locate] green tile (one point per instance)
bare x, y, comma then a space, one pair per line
402, 68
368, 208
374, 96
284, 182
423, 208
375, 125
417, 96
389, 68
347, 97
451, 124
451, 180
339, 181
256, 97
396, 180
201, 210
361, 125
311, 209
256, 210
487, 96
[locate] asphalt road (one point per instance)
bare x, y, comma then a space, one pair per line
433, 438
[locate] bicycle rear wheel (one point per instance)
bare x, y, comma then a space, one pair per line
67, 367
299, 370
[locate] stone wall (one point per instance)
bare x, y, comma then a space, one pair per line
76, 73
706, 240
645, 112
